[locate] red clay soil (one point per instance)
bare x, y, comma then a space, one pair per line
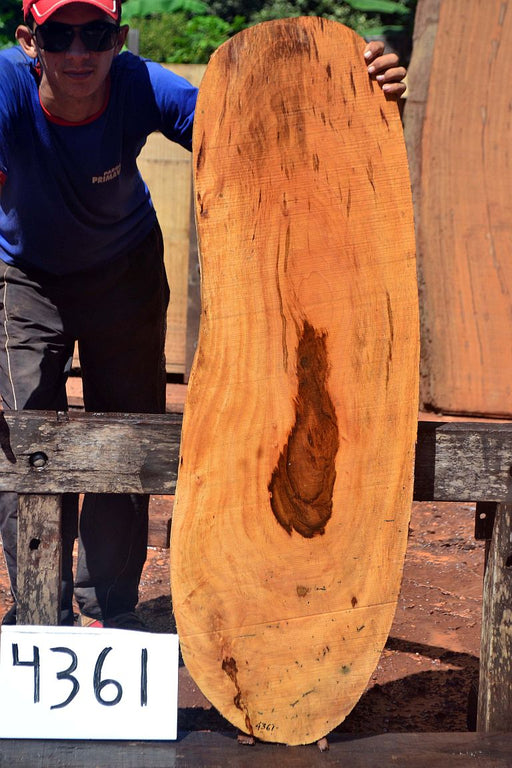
424, 677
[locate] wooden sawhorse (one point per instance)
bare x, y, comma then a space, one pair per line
46, 454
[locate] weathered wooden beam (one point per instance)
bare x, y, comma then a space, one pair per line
495, 685
39, 559
463, 461
211, 749
47, 452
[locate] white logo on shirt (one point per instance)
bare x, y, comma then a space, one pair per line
113, 173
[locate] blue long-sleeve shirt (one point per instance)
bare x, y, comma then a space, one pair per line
72, 196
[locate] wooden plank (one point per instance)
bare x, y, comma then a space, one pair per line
418, 79
463, 461
495, 684
97, 453
297, 452
39, 559
166, 169
463, 210
138, 453
447, 455
217, 750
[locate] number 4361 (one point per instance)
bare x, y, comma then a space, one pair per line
108, 692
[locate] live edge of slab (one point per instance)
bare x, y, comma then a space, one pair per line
205, 749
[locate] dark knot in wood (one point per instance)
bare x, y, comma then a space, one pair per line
302, 483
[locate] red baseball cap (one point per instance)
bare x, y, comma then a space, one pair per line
41, 10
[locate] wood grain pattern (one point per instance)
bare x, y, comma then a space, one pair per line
295, 483
464, 221
418, 80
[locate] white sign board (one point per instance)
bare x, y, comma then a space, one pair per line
87, 683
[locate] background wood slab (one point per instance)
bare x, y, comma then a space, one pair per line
295, 482
459, 143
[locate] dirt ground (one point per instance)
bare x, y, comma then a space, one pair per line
423, 679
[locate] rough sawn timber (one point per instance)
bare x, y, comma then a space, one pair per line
458, 140
295, 482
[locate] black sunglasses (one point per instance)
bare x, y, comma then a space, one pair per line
55, 37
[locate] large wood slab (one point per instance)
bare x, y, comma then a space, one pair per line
459, 143
295, 483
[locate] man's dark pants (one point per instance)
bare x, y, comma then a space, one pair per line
117, 314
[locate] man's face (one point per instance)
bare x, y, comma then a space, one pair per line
77, 74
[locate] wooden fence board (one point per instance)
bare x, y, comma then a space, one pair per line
96, 453
39, 559
463, 461
138, 453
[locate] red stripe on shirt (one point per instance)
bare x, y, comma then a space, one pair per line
90, 119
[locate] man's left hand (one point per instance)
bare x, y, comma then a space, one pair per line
385, 69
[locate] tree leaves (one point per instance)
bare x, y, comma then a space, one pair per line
152, 7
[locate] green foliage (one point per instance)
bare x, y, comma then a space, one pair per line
10, 17
230, 9
174, 37
176, 30
201, 36
367, 17
147, 8
190, 30
385, 17
378, 6
328, 9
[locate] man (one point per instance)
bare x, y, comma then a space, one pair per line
81, 259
